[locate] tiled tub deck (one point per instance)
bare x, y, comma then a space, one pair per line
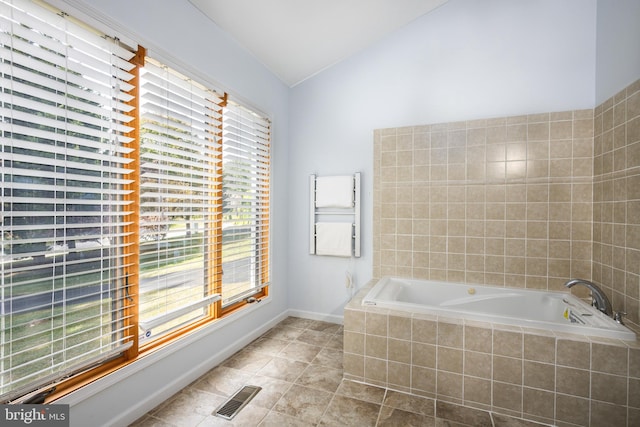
552, 378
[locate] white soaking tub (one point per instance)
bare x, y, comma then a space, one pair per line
554, 311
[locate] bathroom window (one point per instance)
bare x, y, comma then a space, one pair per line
180, 166
64, 125
245, 208
135, 202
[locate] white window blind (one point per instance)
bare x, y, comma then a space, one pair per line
63, 145
245, 229
180, 166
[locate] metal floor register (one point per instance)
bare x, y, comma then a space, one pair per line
238, 401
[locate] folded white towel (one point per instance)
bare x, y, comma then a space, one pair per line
334, 191
334, 238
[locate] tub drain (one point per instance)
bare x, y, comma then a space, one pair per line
231, 407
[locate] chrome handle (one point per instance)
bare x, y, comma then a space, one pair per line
617, 316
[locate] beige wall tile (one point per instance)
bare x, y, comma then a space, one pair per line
477, 390
375, 370
609, 388
423, 380
573, 353
399, 350
606, 414
400, 327
583, 128
424, 331
375, 346
506, 343
538, 131
353, 365
539, 375
507, 369
399, 374
478, 339
634, 417
571, 409
561, 130
507, 396
353, 342
354, 320
449, 384
450, 335
450, 359
634, 362
575, 382
634, 392
478, 364
609, 359
423, 355
538, 403
376, 324
515, 265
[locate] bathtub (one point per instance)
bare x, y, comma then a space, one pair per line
554, 311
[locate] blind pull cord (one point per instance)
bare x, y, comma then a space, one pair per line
126, 287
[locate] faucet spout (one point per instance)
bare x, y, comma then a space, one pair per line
600, 300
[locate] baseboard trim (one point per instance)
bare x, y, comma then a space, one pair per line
331, 318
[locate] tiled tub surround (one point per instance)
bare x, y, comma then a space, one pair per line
526, 201
616, 200
554, 378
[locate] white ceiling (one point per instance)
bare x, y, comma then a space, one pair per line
296, 39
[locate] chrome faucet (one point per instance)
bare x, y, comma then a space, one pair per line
600, 300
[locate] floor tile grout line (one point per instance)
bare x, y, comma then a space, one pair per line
384, 399
333, 396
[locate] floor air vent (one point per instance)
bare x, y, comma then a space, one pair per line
238, 401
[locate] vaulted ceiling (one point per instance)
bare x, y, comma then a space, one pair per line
297, 39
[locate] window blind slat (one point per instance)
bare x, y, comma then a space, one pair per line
173, 143
69, 126
162, 76
24, 133
152, 130
41, 152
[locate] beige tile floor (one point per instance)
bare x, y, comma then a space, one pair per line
298, 364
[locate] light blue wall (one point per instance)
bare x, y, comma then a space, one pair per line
618, 46
467, 59
189, 37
